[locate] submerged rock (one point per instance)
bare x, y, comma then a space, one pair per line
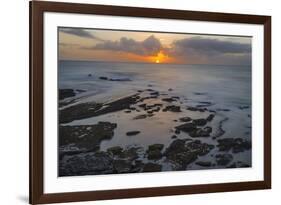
234, 144
244, 107
199, 93
204, 163
131, 133
238, 165
223, 159
223, 109
66, 93
120, 79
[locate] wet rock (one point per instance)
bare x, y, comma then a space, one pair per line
130, 153
151, 167
156, 147
150, 90
142, 105
186, 127
172, 108
210, 117
131, 133
200, 122
204, 163
80, 90
103, 78
183, 152
177, 131
244, 107
204, 132
117, 150
66, 93
154, 151
140, 117
196, 109
156, 109
199, 93
120, 79
185, 119
154, 93
235, 144
86, 110
203, 105
154, 154
205, 102
169, 99
86, 136
86, 164
223, 159
122, 166
224, 110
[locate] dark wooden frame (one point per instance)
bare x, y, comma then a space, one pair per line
37, 9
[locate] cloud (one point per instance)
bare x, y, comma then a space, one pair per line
207, 50
210, 46
80, 33
150, 46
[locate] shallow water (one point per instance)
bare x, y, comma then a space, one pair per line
225, 88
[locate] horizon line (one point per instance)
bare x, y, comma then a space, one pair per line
101, 61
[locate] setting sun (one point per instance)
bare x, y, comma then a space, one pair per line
157, 61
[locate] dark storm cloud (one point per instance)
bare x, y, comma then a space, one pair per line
80, 33
150, 46
209, 46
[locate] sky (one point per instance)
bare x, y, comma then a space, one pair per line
152, 47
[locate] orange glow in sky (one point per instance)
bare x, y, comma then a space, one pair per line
160, 58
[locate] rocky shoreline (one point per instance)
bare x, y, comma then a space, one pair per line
79, 145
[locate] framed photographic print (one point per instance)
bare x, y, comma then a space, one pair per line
138, 102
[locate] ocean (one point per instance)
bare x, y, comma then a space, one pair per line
223, 89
